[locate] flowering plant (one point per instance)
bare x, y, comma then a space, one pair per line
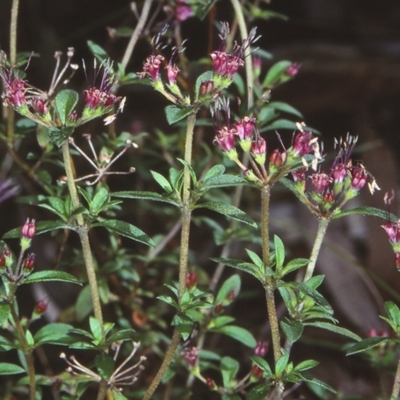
146, 311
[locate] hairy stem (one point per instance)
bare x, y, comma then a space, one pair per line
13, 31
269, 285
184, 251
396, 384
322, 226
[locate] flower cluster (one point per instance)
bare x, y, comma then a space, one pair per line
326, 192
35, 105
245, 134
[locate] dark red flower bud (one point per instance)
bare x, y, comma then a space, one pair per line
206, 88
39, 106
218, 308
277, 158
293, 69
329, 197
256, 371
302, 143
41, 307
261, 349
2, 260
320, 182
210, 383
29, 262
191, 279
28, 229
358, 178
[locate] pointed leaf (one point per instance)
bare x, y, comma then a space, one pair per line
256, 259
216, 170
10, 369
121, 336
279, 252
4, 313
315, 381
144, 196
367, 344
99, 199
125, 229
281, 106
162, 181
97, 50
238, 333
48, 276
259, 392
306, 365
96, 329
175, 114
240, 265
333, 328
263, 364
275, 73
229, 211
65, 102
292, 329
393, 312
224, 181
53, 333
281, 364
230, 286
370, 211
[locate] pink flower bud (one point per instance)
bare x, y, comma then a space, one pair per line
41, 307
293, 70
277, 158
28, 229
29, 262
190, 354
261, 349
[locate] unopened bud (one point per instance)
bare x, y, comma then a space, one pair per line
28, 229
256, 371
191, 279
218, 308
277, 158
261, 349
210, 383
259, 150
29, 263
41, 307
293, 70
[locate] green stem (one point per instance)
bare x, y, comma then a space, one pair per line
27, 352
322, 226
83, 231
396, 384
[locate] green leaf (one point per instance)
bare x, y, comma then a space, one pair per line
315, 381
367, 344
53, 333
306, 365
96, 329
59, 135
11, 369
280, 124
263, 364
48, 276
99, 200
370, 211
144, 196
279, 252
125, 229
224, 181
184, 325
293, 265
121, 336
41, 227
281, 364
241, 266
65, 102
229, 211
175, 114
84, 305
216, 170
281, 106
333, 328
292, 329
256, 259
201, 7
97, 50
259, 392
220, 321
4, 313
238, 333
393, 312
105, 365
231, 285
275, 73
229, 369
162, 181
